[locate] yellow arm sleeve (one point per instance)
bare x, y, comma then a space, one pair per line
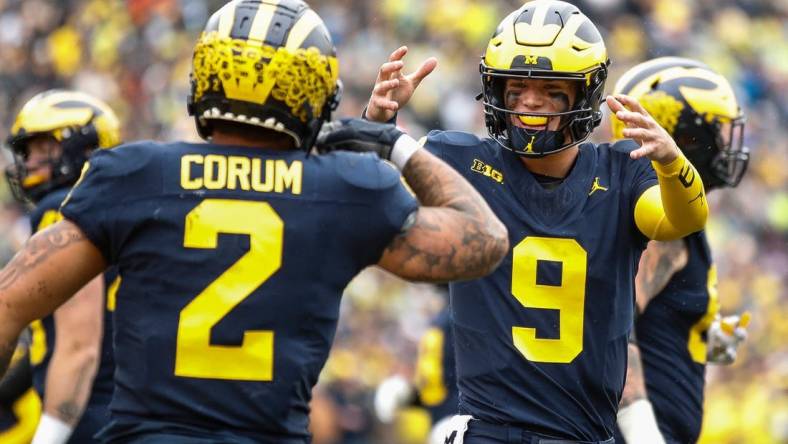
674, 208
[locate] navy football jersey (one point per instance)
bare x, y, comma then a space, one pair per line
18, 420
233, 262
671, 334
20, 406
436, 378
96, 413
541, 342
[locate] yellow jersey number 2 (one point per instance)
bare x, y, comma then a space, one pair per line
568, 297
253, 360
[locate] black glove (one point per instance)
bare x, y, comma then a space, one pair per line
358, 135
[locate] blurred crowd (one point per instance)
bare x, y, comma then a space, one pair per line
135, 55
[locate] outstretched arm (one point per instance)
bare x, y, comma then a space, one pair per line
454, 235
635, 387
75, 360
53, 265
677, 206
659, 262
636, 418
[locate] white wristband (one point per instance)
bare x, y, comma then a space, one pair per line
52, 431
638, 423
403, 149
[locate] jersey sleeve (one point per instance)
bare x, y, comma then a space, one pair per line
638, 177
643, 174
389, 202
456, 148
95, 200
47, 211
399, 203
432, 143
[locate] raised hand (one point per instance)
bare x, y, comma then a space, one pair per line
655, 142
724, 337
393, 89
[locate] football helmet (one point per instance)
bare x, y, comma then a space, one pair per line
266, 63
544, 40
698, 108
79, 122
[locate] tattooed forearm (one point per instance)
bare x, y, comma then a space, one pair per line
659, 263
438, 185
456, 235
635, 387
657, 275
37, 249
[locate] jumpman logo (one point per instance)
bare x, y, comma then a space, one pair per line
596, 186
530, 147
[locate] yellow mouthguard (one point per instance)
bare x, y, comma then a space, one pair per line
533, 120
33, 180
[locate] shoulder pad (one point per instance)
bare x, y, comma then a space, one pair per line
365, 170
625, 146
52, 200
453, 138
47, 210
127, 158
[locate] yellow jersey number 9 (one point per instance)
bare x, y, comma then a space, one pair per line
568, 298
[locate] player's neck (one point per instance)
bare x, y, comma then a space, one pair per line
554, 165
276, 143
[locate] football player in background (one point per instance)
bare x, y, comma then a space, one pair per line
20, 406
71, 349
234, 253
541, 342
434, 386
678, 327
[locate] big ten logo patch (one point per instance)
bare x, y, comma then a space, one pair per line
487, 170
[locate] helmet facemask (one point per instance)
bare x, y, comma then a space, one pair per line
731, 162
717, 150
76, 144
575, 124
544, 40
78, 122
